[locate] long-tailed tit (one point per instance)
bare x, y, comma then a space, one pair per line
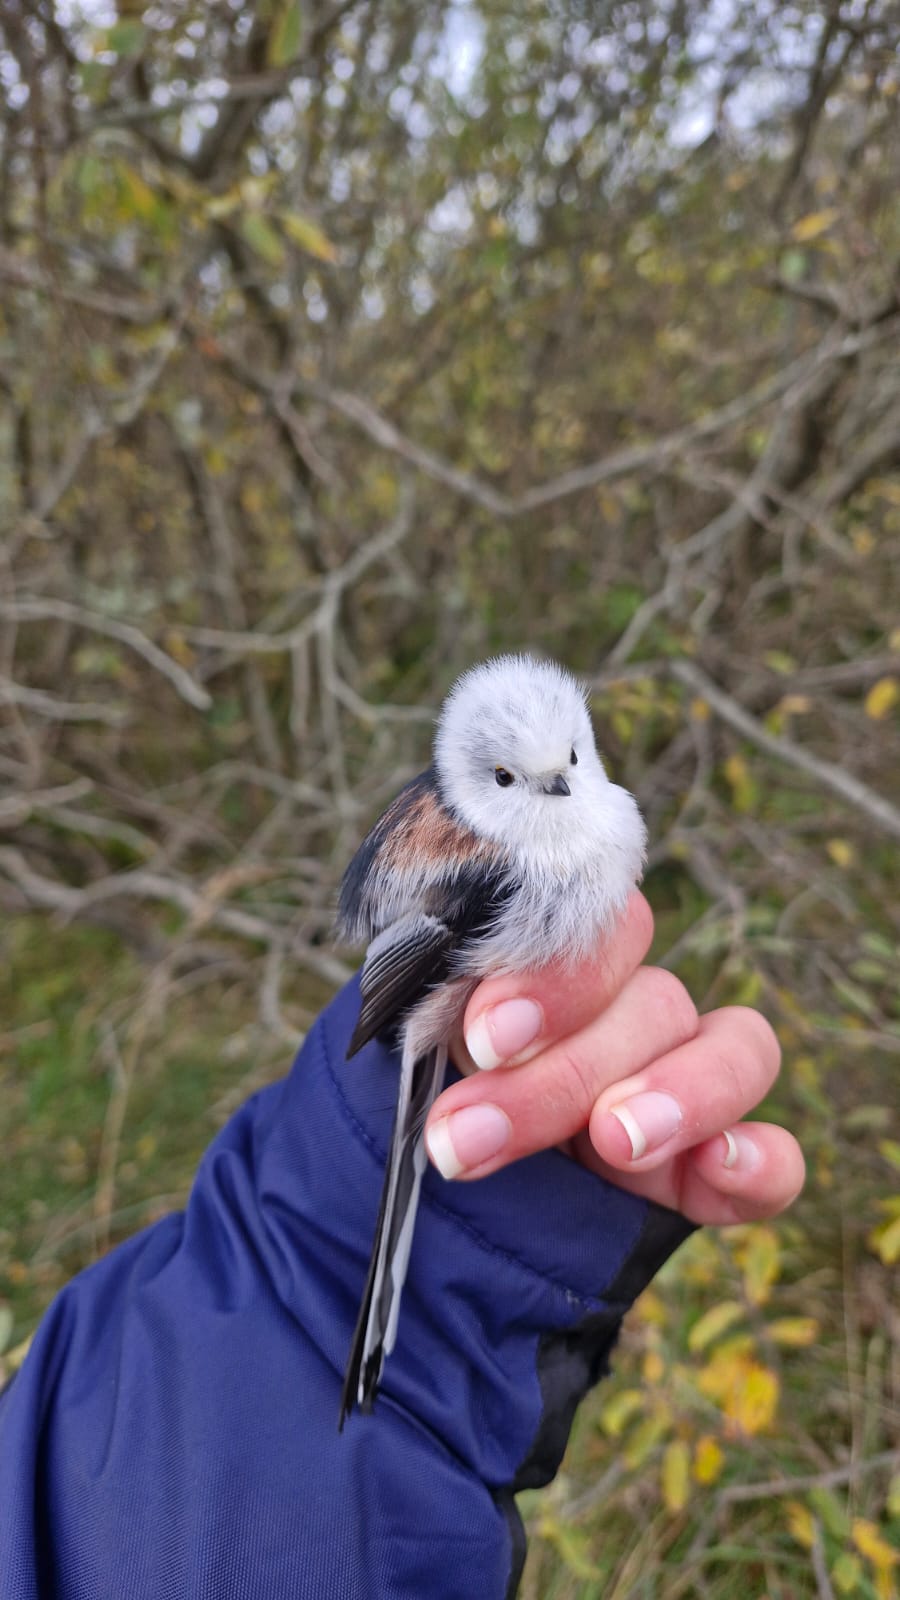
511, 851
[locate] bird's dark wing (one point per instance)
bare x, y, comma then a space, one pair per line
401, 965
361, 886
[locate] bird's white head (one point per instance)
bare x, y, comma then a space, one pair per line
516, 761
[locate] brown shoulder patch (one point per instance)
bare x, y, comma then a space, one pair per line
428, 833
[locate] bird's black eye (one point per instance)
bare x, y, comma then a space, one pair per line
503, 777
573, 757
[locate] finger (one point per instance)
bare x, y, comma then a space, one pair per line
511, 1019
760, 1173
751, 1171
488, 1120
688, 1094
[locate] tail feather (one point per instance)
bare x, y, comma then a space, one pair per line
421, 1080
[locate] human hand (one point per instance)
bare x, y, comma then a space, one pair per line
623, 1074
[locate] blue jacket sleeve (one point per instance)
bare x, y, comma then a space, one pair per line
173, 1429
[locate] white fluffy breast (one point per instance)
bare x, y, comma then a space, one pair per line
565, 901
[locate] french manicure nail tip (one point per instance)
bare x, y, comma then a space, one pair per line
649, 1119
466, 1139
503, 1032
441, 1151
480, 1045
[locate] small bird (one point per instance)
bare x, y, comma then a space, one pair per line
512, 850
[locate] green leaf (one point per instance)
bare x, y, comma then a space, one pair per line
136, 198
124, 38
831, 1511
308, 235
793, 265
284, 39
262, 237
714, 1323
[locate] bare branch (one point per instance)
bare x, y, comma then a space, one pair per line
56, 710
826, 773
29, 608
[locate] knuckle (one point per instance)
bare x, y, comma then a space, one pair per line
734, 1079
759, 1042
669, 998
573, 1081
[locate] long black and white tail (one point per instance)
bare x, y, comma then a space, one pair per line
421, 1080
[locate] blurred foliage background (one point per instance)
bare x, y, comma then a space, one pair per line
340, 346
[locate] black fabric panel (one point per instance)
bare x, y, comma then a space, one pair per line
518, 1545
569, 1363
572, 1360
662, 1233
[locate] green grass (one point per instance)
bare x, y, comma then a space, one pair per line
112, 1086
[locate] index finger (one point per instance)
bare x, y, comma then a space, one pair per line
511, 1019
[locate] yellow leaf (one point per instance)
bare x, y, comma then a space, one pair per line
881, 698
676, 1476
308, 235
652, 1308
709, 1459
841, 853
178, 648
623, 725
801, 1523
796, 1332
654, 1367
219, 206
794, 705
887, 488
713, 1323
748, 991
752, 1404
892, 1504
759, 1258
894, 640
863, 541
847, 1573
885, 1241
284, 39
136, 198
699, 709
779, 661
744, 792
721, 1373
618, 1411
571, 1545
261, 237
870, 1543
646, 1435
814, 224
890, 1149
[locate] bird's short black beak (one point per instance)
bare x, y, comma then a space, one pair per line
558, 786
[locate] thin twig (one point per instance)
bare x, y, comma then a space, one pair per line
826, 773
32, 608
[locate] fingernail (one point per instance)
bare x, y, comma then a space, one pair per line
741, 1152
649, 1120
503, 1031
467, 1138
